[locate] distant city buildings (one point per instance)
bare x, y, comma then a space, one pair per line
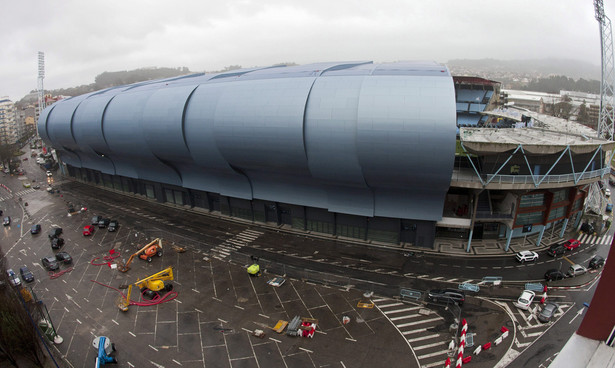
18, 123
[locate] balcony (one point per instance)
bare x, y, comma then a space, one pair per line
467, 178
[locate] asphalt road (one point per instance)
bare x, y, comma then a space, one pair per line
325, 279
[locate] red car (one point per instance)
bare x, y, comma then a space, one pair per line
88, 230
571, 244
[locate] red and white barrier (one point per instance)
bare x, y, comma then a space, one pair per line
462, 344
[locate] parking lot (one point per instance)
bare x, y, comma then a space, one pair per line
218, 307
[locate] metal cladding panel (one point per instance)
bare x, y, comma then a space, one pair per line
258, 124
123, 128
212, 173
59, 123
69, 158
163, 114
331, 145
87, 125
331, 128
406, 143
42, 124
87, 129
292, 189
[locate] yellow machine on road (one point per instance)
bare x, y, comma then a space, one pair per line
150, 287
153, 248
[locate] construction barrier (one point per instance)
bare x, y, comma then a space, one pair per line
462, 343
487, 346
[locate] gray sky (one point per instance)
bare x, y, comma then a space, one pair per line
82, 39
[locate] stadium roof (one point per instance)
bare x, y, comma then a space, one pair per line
548, 135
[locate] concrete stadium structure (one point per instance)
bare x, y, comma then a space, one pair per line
395, 153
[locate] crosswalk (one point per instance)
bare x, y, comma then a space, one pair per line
605, 239
528, 327
235, 243
419, 326
21, 193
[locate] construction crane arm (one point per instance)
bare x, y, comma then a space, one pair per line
164, 275
126, 267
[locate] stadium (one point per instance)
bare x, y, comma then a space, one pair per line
392, 154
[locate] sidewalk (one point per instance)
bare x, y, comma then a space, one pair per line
494, 247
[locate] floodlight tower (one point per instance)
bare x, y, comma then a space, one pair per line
607, 82
596, 201
41, 91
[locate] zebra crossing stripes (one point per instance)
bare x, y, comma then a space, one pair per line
528, 327
593, 239
17, 194
419, 326
221, 251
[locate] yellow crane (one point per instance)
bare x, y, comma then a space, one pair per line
153, 248
150, 287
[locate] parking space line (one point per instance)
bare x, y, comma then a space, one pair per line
390, 305
405, 317
441, 352
427, 337
401, 310
429, 345
419, 322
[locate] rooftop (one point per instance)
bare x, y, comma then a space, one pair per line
545, 135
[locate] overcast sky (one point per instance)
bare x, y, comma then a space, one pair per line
82, 39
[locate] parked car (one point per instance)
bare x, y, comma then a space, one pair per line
447, 295
587, 228
54, 232
596, 262
88, 230
553, 275
103, 223
607, 192
49, 173
13, 278
26, 275
64, 257
57, 243
113, 225
6, 221
576, 270
556, 250
525, 299
35, 229
96, 220
527, 255
571, 244
50, 263
609, 207
547, 312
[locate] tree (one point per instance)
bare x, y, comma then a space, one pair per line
19, 340
583, 115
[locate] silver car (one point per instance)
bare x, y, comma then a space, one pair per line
547, 312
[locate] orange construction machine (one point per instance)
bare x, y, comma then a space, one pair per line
154, 248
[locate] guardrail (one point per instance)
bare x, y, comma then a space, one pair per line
410, 294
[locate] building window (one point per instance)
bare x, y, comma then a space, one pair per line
560, 195
149, 191
529, 218
532, 200
557, 213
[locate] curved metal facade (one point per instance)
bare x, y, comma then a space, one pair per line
353, 138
